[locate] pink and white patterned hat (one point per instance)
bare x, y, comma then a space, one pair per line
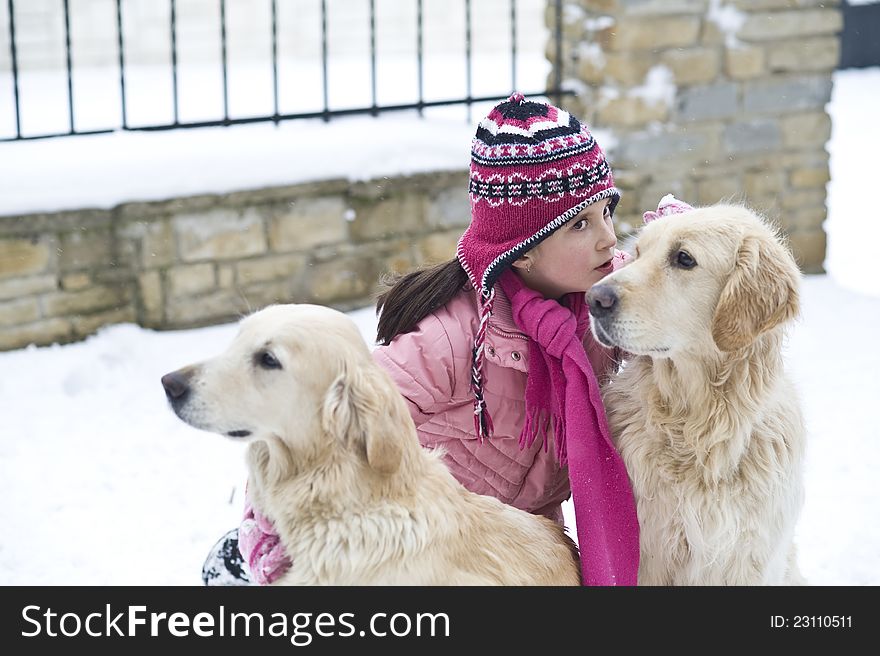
533, 167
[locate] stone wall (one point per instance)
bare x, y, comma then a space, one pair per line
710, 100
706, 99
204, 260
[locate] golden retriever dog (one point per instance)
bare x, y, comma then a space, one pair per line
705, 418
335, 463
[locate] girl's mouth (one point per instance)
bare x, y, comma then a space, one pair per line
607, 267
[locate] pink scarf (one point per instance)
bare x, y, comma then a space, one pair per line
562, 391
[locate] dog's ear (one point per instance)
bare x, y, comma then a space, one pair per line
761, 293
362, 409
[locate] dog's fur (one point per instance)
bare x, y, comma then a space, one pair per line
706, 420
335, 463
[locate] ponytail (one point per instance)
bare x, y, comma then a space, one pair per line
410, 298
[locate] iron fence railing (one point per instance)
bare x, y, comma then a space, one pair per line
326, 112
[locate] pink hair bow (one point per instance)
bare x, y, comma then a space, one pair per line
669, 204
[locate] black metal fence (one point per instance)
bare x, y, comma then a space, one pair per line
326, 112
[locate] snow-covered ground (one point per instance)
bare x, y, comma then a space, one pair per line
102, 484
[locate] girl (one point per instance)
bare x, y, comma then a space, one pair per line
492, 350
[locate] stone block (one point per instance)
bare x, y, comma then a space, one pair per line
130, 240
764, 183
84, 325
437, 247
58, 304
85, 250
396, 257
711, 34
647, 149
18, 287
704, 103
308, 222
797, 198
23, 257
213, 307
348, 277
591, 69
450, 208
629, 111
74, 281
758, 5
783, 96
728, 189
259, 295
270, 268
628, 178
693, 66
821, 54
628, 68
810, 177
158, 245
40, 333
225, 276
805, 219
188, 280
151, 297
19, 311
394, 215
775, 25
601, 6
219, 234
805, 130
744, 62
662, 7
808, 247
651, 33
752, 136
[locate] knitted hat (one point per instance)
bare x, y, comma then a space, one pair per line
533, 168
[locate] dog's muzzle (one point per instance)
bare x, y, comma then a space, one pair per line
602, 300
177, 388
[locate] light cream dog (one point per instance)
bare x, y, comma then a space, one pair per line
703, 414
335, 463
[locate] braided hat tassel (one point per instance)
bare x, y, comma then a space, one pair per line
482, 420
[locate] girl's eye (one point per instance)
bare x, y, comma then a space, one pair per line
606, 214
268, 361
581, 224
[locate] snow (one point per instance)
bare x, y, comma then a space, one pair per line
104, 485
217, 160
659, 87
119, 167
852, 217
729, 20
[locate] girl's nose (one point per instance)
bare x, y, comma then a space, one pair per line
608, 239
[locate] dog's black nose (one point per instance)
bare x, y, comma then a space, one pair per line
602, 300
176, 385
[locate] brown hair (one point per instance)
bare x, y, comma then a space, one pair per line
410, 298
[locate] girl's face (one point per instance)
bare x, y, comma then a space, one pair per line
573, 258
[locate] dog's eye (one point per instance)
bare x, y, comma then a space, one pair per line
268, 361
684, 260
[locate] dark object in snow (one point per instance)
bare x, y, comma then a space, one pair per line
224, 564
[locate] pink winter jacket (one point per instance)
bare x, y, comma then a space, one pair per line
431, 367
